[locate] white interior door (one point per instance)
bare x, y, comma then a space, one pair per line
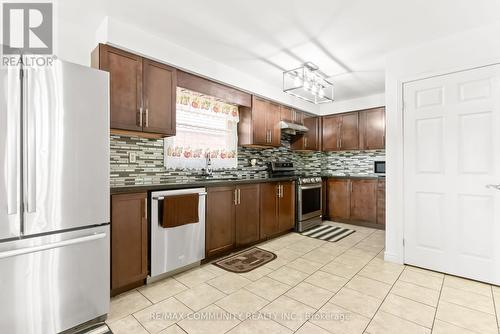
451, 173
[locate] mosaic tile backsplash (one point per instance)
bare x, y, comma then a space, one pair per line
149, 167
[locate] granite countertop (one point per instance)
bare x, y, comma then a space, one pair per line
368, 176
194, 184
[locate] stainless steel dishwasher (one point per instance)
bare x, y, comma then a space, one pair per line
177, 230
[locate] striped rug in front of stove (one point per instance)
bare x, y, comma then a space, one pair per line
328, 233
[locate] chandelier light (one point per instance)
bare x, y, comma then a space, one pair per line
308, 83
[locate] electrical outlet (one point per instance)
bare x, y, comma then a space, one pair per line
132, 157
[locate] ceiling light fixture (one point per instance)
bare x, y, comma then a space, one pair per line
308, 83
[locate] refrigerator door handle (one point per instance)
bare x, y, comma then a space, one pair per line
29, 148
35, 249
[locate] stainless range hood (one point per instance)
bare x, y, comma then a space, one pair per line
292, 128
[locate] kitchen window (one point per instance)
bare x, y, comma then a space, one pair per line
205, 126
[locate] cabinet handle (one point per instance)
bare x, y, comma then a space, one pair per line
305, 142
270, 136
278, 190
235, 196
340, 142
146, 209
140, 117
239, 196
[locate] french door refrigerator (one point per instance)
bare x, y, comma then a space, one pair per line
54, 197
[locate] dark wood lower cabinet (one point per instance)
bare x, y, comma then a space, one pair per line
129, 241
286, 207
364, 200
268, 210
220, 227
242, 215
247, 214
339, 200
357, 200
381, 202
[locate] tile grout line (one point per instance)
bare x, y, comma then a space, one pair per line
495, 307
439, 299
348, 280
383, 300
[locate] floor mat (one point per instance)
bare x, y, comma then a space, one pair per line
328, 233
246, 261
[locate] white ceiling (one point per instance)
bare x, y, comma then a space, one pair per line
347, 39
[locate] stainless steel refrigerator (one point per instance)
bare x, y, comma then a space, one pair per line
54, 197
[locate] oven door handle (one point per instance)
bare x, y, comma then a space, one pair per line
310, 187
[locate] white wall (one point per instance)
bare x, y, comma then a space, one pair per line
135, 39
359, 103
466, 50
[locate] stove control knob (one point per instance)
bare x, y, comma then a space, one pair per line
317, 179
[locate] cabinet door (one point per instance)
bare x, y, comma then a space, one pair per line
364, 200
299, 117
273, 124
381, 202
220, 220
159, 86
268, 209
129, 239
125, 79
260, 110
286, 207
349, 134
339, 199
372, 129
286, 114
247, 215
311, 138
331, 132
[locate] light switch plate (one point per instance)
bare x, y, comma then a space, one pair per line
132, 157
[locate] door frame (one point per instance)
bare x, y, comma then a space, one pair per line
395, 223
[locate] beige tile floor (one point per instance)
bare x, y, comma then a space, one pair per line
312, 287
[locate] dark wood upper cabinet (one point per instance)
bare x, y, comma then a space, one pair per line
286, 206
142, 92
291, 115
372, 129
309, 141
129, 241
247, 214
259, 125
339, 198
268, 209
125, 79
286, 114
349, 132
359, 130
220, 226
273, 124
331, 132
159, 85
364, 200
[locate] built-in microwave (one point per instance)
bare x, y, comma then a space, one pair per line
379, 167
